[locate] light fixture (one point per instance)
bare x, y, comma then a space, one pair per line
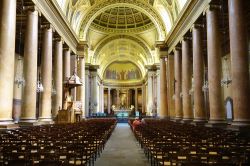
205, 87
191, 91
53, 90
39, 88
19, 80
226, 79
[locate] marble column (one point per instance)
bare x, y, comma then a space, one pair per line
94, 86
46, 74
66, 64
102, 98
82, 88
73, 69
58, 78
143, 98
186, 80
18, 89
28, 113
239, 61
170, 73
177, 75
163, 88
118, 97
7, 56
87, 92
150, 103
198, 69
136, 99
127, 99
214, 53
109, 104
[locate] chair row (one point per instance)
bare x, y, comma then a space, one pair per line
170, 143
59, 144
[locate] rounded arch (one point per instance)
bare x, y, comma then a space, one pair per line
122, 48
84, 25
138, 64
115, 37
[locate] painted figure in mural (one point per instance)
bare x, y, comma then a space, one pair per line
122, 72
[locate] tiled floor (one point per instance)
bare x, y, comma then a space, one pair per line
122, 149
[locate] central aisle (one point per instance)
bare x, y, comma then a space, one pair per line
122, 149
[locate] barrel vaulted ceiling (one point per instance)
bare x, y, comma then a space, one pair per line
121, 30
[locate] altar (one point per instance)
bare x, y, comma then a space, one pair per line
120, 113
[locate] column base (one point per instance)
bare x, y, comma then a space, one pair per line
45, 119
187, 120
216, 123
241, 123
27, 122
242, 126
199, 122
178, 119
8, 125
163, 117
44, 123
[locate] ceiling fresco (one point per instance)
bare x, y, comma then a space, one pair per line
121, 31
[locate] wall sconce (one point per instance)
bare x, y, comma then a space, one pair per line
227, 79
19, 80
53, 90
39, 88
205, 87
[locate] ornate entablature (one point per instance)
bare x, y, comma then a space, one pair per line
109, 39
106, 4
119, 31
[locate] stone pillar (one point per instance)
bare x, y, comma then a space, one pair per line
214, 52
7, 56
28, 113
58, 78
82, 88
109, 104
163, 87
198, 69
94, 100
101, 98
73, 69
46, 74
157, 89
177, 75
150, 103
118, 97
18, 89
87, 92
170, 73
186, 80
239, 62
143, 98
66, 64
136, 99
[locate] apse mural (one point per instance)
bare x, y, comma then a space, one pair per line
122, 71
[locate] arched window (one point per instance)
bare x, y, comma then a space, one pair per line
229, 108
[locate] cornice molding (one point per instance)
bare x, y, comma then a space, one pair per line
49, 10
190, 13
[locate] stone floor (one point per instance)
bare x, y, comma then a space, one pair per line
122, 149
